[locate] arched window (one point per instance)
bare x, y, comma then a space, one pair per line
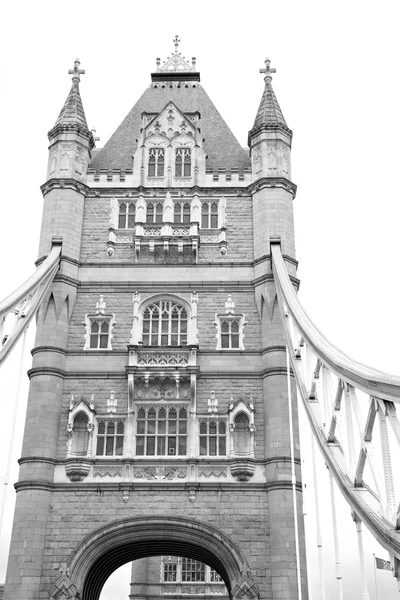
165, 324
209, 215
154, 213
156, 162
80, 435
230, 333
182, 212
183, 162
126, 215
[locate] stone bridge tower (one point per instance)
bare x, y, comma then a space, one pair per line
157, 418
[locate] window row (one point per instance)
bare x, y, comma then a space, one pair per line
188, 570
165, 323
183, 162
160, 431
154, 214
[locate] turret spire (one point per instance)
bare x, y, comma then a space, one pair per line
269, 112
72, 112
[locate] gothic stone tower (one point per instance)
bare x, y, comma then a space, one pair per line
157, 418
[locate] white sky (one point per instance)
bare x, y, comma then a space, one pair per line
337, 84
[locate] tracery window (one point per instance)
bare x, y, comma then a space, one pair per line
183, 162
209, 215
230, 329
154, 213
156, 162
161, 431
212, 437
110, 438
170, 570
182, 212
165, 324
99, 333
126, 215
193, 570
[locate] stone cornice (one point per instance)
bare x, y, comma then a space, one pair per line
269, 277
36, 459
63, 258
100, 488
46, 371
38, 349
273, 371
273, 182
70, 184
269, 349
135, 192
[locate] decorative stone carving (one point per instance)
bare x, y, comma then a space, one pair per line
159, 473
124, 239
112, 403
163, 359
155, 182
212, 403
212, 471
245, 588
182, 182
191, 589
241, 426
63, 589
107, 471
181, 231
152, 231
209, 239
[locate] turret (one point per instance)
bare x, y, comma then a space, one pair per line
70, 148
270, 145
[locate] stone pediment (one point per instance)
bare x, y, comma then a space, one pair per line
170, 124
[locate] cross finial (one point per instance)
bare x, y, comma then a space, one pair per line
76, 72
176, 41
268, 71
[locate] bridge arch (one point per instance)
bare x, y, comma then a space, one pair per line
109, 547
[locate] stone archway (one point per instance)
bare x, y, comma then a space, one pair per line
111, 546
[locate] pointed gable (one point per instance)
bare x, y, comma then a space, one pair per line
221, 147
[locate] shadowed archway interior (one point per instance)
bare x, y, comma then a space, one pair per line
108, 548
112, 560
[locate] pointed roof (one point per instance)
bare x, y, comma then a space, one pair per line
177, 81
269, 112
72, 112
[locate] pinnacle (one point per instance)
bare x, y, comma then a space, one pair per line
72, 112
269, 111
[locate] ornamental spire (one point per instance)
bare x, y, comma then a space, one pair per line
72, 112
176, 63
269, 112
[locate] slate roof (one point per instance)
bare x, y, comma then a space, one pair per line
221, 146
72, 112
269, 111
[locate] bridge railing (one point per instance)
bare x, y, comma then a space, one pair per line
351, 409
17, 310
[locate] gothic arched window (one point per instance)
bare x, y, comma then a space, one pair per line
183, 162
126, 215
209, 215
156, 162
182, 212
165, 324
154, 213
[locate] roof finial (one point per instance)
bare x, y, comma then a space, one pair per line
176, 41
268, 71
76, 72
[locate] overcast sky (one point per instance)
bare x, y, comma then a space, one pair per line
337, 84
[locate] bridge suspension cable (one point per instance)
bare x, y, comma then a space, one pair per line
25, 301
343, 399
